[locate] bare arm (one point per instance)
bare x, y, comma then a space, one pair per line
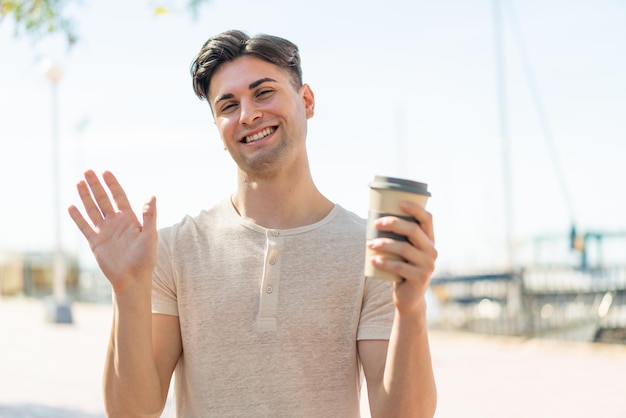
142, 354
399, 373
143, 348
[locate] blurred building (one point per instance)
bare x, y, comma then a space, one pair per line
31, 274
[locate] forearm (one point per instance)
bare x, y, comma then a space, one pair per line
131, 382
408, 385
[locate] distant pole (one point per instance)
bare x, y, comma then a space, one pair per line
503, 128
59, 309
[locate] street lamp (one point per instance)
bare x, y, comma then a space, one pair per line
59, 309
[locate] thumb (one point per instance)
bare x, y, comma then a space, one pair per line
149, 215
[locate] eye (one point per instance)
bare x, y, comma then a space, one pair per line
263, 93
227, 107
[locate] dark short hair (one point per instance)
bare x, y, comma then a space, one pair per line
232, 44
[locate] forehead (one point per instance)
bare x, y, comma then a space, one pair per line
236, 75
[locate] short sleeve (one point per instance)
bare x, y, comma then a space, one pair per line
164, 299
377, 311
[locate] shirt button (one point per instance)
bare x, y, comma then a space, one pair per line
275, 233
272, 261
269, 289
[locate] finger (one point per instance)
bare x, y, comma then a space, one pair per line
117, 192
423, 217
149, 215
100, 195
413, 231
403, 249
93, 212
415, 274
81, 222
416, 265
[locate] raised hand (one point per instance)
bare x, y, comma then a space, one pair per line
125, 249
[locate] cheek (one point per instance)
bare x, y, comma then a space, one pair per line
225, 129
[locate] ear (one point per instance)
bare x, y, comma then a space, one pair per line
309, 100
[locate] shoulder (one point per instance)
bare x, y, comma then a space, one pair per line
347, 221
216, 215
190, 227
343, 215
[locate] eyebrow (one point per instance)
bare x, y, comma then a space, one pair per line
257, 83
251, 86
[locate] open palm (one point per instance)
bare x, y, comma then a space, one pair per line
125, 248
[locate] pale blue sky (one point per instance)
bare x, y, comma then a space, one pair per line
402, 88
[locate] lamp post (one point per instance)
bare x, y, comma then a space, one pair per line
59, 309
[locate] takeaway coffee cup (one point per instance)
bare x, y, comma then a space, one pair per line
386, 194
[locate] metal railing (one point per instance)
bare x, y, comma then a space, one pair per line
558, 303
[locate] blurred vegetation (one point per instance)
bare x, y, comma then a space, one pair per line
39, 18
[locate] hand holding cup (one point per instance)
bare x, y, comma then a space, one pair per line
386, 196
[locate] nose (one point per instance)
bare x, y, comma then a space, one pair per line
249, 112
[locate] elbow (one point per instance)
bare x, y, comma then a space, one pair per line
424, 407
116, 411
123, 406
429, 406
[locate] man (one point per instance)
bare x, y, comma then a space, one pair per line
260, 304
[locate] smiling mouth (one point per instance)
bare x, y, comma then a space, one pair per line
259, 135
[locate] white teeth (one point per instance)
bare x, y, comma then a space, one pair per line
265, 132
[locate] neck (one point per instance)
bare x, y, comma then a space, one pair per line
281, 202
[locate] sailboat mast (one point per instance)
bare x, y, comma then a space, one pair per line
501, 93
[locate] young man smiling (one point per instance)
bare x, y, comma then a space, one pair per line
259, 305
